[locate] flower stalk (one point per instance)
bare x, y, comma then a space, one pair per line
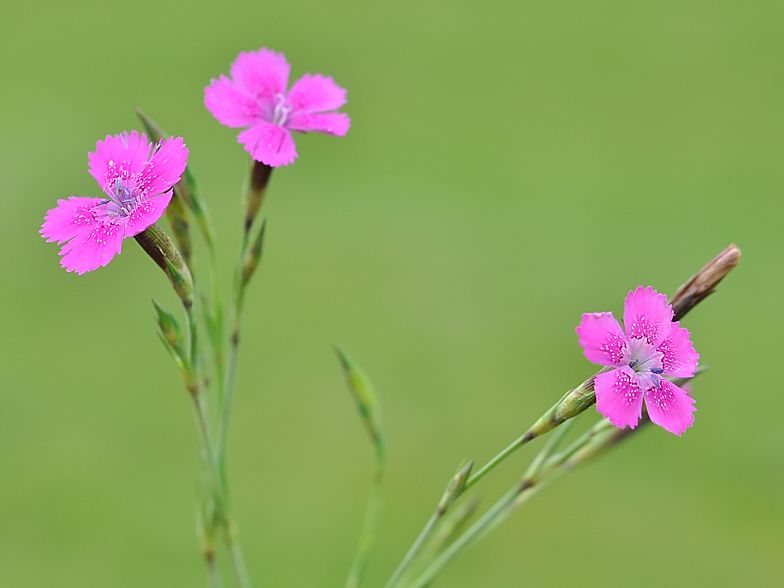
141, 181
547, 465
575, 401
370, 410
160, 248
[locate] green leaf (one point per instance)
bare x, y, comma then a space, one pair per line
362, 390
170, 334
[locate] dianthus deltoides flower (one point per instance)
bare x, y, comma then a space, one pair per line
255, 97
137, 178
651, 347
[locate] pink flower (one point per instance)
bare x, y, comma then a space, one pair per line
255, 97
652, 346
137, 178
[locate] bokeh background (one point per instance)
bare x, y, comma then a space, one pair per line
510, 166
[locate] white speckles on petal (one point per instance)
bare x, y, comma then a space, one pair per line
615, 348
619, 396
670, 407
92, 229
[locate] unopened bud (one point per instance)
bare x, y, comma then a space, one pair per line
184, 192
704, 282
455, 488
178, 221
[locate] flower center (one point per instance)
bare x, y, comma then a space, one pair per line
120, 204
281, 113
645, 357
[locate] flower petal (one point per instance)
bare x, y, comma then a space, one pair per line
602, 339
315, 93
165, 167
679, 358
261, 75
269, 144
647, 315
72, 217
147, 213
120, 156
231, 105
89, 251
619, 396
670, 407
334, 123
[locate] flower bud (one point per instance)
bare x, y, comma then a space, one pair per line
704, 282
185, 195
175, 212
455, 488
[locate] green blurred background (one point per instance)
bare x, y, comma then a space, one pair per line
510, 166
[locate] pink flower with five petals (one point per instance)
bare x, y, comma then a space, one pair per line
255, 96
651, 347
137, 177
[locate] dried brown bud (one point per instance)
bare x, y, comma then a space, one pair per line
704, 282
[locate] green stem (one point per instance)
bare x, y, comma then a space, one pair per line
215, 577
235, 555
491, 465
234, 341
465, 539
414, 550
366, 535
492, 516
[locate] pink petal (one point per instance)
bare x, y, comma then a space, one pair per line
647, 315
334, 123
72, 217
118, 157
619, 396
165, 167
670, 407
602, 339
679, 358
269, 144
261, 75
147, 213
232, 106
92, 250
316, 93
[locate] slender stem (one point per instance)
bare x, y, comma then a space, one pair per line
453, 491
541, 471
465, 539
236, 557
490, 466
234, 343
215, 577
217, 317
208, 454
415, 548
213, 491
193, 350
498, 512
254, 191
253, 197
366, 535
